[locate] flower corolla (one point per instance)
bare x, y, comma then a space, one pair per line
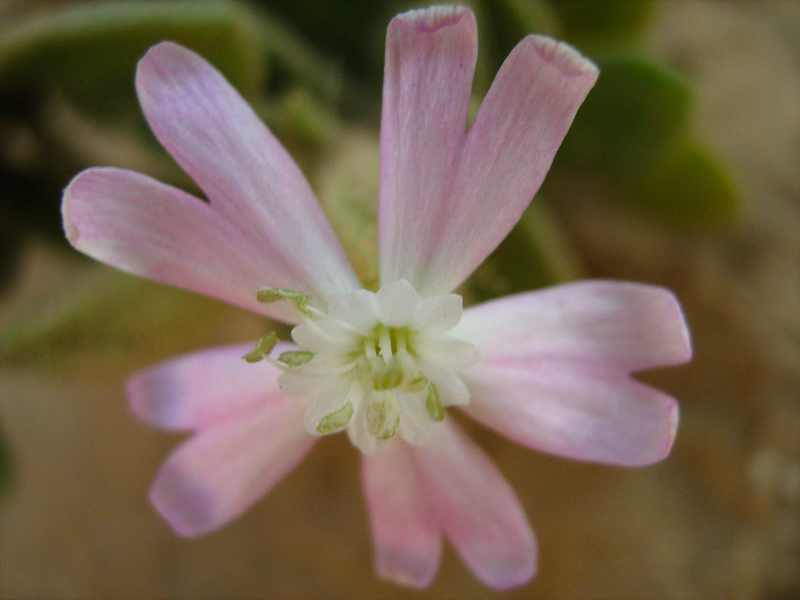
549, 369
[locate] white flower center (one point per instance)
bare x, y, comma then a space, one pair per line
378, 364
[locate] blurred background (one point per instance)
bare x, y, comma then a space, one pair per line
682, 169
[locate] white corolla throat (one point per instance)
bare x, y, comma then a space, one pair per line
376, 364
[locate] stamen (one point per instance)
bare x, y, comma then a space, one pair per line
336, 420
295, 358
320, 331
268, 295
383, 415
379, 364
262, 349
323, 315
433, 403
385, 345
369, 348
337, 371
402, 342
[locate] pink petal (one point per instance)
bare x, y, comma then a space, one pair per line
243, 170
430, 59
141, 226
555, 364
406, 539
625, 326
198, 390
576, 410
220, 472
476, 508
510, 147
438, 241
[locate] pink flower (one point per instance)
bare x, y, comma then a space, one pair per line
549, 369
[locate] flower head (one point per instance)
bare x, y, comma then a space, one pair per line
549, 369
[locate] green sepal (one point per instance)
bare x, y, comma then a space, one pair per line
295, 358
433, 403
262, 348
336, 420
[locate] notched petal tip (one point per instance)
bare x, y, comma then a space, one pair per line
75, 189
146, 400
183, 503
404, 570
512, 572
684, 350
159, 51
431, 19
562, 56
155, 55
672, 431
666, 316
662, 440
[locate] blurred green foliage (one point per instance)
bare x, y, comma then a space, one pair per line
596, 24
635, 111
633, 134
313, 69
89, 51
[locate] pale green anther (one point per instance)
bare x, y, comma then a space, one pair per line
383, 415
336, 420
267, 295
434, 403
295, 358
262, 349
417, 383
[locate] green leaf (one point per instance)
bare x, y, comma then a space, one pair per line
631, 137
634, 115
688, 188
90, 50
351, 32
522, 17
598, 23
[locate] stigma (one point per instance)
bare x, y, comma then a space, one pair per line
376, 364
